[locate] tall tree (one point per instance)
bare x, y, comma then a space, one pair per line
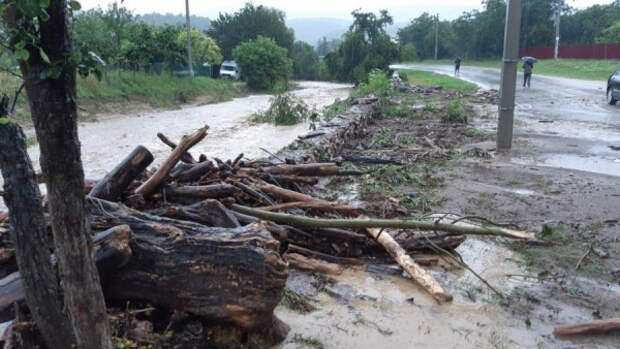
305, 61
230, 30
366, 46
117, 19
41, 36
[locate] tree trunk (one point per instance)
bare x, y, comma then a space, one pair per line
54, 114
32, 244
227, 275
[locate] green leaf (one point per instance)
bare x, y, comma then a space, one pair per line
75, 5
29, 8
44, 56
44, 3
22, 54
44, 16
5, 121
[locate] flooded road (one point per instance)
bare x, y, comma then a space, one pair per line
559, 122
106, 142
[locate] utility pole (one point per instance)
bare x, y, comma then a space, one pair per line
190, 61
557, 33
508, 84
436, 35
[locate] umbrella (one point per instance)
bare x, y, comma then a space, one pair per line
529, 59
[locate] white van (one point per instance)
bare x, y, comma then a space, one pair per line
230, 70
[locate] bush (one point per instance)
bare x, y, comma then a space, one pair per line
455, 112
338, 107
378, 83
285, 110
263, 63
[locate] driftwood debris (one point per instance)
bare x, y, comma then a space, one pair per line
116, 182
185, 157
299, 261
595, 327
147, 188
401, 257
381, 223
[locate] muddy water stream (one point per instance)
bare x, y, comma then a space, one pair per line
105, 143
379, 311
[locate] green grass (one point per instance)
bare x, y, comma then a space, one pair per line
159, 90
569, 68
422, 78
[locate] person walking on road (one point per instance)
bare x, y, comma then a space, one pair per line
528, 66
457, 65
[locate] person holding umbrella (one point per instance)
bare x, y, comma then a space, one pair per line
528, 66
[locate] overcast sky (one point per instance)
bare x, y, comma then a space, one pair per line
402, 10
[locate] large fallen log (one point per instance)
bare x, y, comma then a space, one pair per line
112, 186
233, 276
158, 178
112, 252
595, 327
302, 221
401, 257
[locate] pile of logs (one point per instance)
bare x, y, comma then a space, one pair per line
208, 237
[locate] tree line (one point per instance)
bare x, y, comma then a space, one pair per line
479, 34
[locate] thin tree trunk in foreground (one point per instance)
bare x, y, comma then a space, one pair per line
595, 327
54, 114
29, 234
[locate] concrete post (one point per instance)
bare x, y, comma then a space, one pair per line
509, 76
190, 60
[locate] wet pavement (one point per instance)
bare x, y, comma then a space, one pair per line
559, 122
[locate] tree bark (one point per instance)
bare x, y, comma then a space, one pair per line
227, 275
209, 212
111, 187
32, 244
54, 114
112, 252
193, 194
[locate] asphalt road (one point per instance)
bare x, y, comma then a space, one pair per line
559, 122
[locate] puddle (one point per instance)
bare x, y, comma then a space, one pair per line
593, 164
105, 143
382, 315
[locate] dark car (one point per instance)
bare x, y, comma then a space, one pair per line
613, 88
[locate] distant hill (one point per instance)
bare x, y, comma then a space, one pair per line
311, 30
198, 22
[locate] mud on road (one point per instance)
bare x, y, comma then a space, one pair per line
451, 168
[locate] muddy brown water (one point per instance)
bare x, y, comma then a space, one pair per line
106, 142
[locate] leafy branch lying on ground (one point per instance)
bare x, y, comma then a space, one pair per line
455, 112
286, 109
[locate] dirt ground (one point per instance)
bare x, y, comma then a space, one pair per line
571, 275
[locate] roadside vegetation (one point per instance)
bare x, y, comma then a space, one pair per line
286, 110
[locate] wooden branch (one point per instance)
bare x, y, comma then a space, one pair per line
595, 327
306, 170
304, 263
302, 221
193, 172
3, 217
401, 257
255, 193
284, 194
185, 157
326, 257
318, 205
149, 187
112, 186
209, 212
